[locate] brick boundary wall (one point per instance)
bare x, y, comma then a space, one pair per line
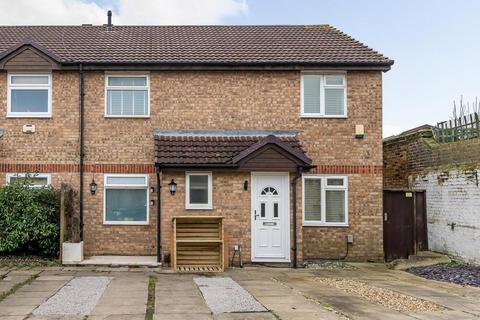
150, 168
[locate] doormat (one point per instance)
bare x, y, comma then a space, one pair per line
223, 295
78, 297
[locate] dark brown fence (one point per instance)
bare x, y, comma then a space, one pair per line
462, 128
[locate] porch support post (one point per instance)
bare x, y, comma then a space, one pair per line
159, 215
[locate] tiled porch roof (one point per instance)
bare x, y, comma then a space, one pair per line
217, 148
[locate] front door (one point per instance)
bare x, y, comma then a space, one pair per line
270, 217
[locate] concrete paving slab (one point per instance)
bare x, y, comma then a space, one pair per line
246, 316
185, 316
125, 295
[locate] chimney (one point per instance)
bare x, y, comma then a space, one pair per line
109, 24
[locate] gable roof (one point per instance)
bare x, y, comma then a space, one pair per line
180, 148
273, 45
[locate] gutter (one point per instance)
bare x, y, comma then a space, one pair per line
159, 216
294, 195
82, 147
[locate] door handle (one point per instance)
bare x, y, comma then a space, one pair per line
385, 216
255, 215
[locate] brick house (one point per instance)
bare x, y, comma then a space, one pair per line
261, 125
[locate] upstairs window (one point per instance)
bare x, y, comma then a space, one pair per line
127, 96
324, 96
325, 200
29, 95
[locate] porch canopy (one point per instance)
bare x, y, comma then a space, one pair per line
244, 150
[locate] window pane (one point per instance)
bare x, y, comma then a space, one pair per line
335, 205
334, 80
335, 182
126, 180
29, 80
275, 210
334, 104
34, 181
311, 94
198, 189
126, 205
127, 102
262, 210
127, 81
312, 200
140, 103
29, 100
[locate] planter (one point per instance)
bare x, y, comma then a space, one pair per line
72, 252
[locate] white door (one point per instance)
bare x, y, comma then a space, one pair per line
270, 217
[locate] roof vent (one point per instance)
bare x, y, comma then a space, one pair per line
109, 24
87, 25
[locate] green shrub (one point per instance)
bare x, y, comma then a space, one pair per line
29, 219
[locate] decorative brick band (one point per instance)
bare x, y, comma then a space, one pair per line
347, 169
150, 168
58, 167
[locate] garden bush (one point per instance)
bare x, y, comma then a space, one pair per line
29, 219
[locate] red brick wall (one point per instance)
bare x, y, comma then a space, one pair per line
207, 100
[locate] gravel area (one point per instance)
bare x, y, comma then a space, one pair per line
328, 265
455, 273
387, 298
222, 294
77, 297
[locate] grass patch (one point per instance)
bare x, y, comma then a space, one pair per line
17, 286
152, 281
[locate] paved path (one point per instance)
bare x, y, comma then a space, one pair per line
286, 293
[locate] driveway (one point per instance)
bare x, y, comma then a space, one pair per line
367, 291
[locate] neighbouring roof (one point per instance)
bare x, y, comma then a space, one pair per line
317, 45
220, 148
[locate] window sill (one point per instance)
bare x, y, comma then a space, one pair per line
127, 117
198, 208
313, 116
321, 224
126, 223
13, 115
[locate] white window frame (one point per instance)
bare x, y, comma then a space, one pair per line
324, 188
11, 86
122, 187
33, 175
323, 86
197, 206
130, 88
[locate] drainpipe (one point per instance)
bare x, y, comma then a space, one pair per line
82, 149
159, 216
294, 192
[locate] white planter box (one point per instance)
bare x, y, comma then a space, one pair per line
72, 252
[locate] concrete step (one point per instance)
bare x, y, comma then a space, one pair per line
421, 259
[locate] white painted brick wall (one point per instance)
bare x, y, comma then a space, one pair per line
453, 198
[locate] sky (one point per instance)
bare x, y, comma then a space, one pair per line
435, 43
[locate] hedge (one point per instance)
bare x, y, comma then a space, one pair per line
29, 219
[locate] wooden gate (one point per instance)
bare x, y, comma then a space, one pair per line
404, 223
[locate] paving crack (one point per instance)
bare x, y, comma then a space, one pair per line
324, 305
17, 286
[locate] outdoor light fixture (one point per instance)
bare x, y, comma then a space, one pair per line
93, 187
172, 186
245, 185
